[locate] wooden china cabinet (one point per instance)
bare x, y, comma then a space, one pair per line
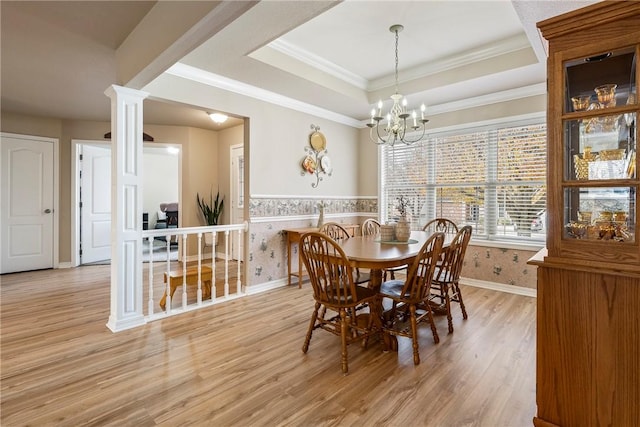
588, 315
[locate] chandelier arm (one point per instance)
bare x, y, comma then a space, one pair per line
403, 129
409, 142
378, 139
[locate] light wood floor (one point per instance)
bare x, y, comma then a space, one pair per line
240, 363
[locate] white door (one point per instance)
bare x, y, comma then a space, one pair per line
95, 208
237, 197
27, 204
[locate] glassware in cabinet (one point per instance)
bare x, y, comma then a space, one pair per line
604, 214
600, 116
602, 147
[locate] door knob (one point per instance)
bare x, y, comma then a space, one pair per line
47, 211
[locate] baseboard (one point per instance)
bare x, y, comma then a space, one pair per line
132, 321
518, 290
267, 286
65, 265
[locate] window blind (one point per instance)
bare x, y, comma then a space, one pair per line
491, 178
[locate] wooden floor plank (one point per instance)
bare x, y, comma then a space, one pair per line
240, 363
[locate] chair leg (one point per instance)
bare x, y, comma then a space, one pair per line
459, 294
344, 330
434, 331
312, 324
414, 334
353, 319
447, 303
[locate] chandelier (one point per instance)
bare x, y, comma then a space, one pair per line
398, 122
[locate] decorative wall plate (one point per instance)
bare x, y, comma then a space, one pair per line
309, 164
317, 141
325, 162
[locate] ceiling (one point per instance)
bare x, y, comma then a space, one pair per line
57, 57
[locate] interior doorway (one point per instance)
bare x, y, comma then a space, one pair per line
95, 203
91, 199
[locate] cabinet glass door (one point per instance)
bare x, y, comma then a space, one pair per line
600, 109
602, 213
599, 136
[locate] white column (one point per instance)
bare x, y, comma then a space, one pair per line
126, 208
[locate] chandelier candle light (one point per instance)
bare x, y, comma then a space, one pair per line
396, 126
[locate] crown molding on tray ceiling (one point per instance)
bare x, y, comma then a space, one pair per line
319, 63
461, 59
491, 98
214, 80
210, 79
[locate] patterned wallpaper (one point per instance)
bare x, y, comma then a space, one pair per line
268, 243
500, 265
264, 207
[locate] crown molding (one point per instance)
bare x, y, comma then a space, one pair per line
319, 63
224, 83
214, 80
492, 98
480, 101
463, 59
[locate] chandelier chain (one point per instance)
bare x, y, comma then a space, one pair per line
397, 37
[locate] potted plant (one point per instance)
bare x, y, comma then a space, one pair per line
210, 211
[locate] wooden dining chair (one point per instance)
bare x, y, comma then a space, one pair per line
441, 224
370, 227
334, 290
339, 234
411, 297
446, 286
437, 224
335, 231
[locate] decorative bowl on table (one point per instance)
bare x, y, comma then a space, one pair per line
387, 232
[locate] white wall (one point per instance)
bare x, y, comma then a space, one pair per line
277, 137
160, 181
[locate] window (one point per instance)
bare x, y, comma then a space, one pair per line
492, 178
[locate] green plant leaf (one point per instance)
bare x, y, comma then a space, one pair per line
211, 211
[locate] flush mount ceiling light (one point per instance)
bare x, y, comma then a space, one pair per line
396, 126
219, 118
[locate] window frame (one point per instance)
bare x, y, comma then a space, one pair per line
490, 237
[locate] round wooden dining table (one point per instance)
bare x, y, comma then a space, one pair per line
369, 252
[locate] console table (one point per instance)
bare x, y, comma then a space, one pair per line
293, 237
